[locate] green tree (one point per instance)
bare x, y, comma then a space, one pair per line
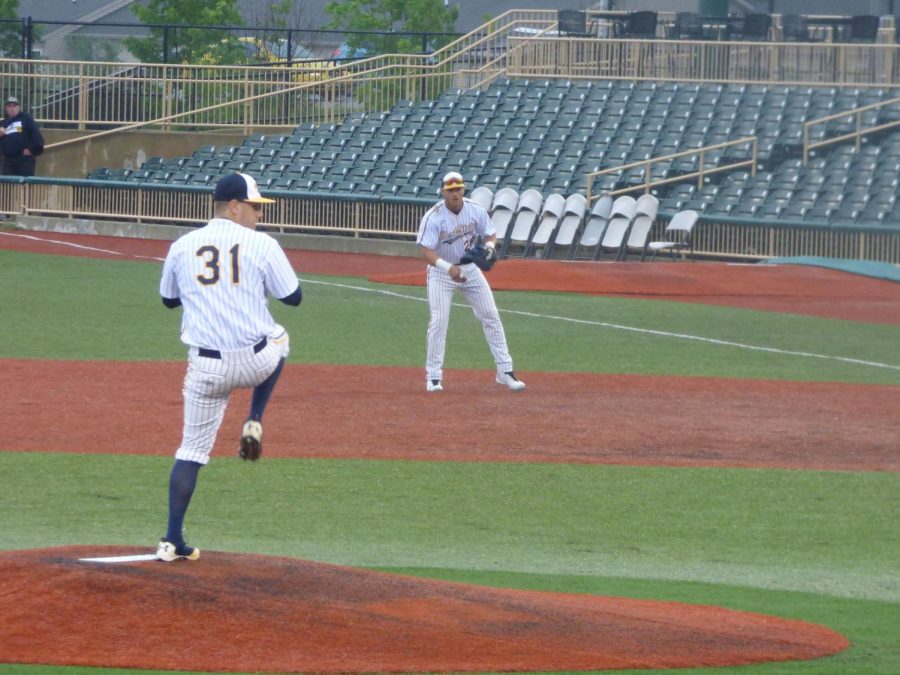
273, 19
395, 18
187, 44
10, 30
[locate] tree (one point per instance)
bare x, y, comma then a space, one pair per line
277, 14
395, 18
187, 44
279, 18
10, 33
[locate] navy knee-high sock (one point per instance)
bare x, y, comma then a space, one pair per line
263, 392
182, 482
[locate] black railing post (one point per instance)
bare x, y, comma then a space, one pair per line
165, 45
290, 45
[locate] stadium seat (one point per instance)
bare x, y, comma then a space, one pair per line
101, 173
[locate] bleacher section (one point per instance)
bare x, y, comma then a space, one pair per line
549, 134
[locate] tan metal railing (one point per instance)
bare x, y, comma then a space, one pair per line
700, 174
399, 218
171, 204
519, 43
106, 95
856, 135
708, 61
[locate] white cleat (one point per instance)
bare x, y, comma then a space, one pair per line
509, 379
169, 552
433, 385
251, 440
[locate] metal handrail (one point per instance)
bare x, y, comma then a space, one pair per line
857, 134
699, 174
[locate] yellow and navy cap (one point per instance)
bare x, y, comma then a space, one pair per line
239, 186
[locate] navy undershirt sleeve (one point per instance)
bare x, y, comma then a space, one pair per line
294, 298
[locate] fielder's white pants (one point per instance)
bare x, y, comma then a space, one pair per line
478, 293
208, 384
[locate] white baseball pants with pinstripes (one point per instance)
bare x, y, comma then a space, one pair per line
208, 384
478, 293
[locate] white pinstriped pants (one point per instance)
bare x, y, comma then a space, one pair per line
478, 293
208, 383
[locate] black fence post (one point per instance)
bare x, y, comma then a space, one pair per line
27, 38
165, 45
290, 45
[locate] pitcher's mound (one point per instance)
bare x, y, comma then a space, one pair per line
230, 612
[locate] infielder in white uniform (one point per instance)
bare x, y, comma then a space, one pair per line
221, 275
446, 231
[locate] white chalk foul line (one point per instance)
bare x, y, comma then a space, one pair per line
634, 329
587, 322
121, 558
78, 246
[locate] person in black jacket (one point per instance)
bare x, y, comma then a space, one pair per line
20, 140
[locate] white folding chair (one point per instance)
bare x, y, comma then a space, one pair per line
484, 196
503, 210
569, 226
551, 215
678, 235
619, 221
645, 211
527, 212
594, 228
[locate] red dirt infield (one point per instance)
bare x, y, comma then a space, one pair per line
59, 405
230, 612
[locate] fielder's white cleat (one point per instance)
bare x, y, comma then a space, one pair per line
509, 379
251, 440
433, 385
168, 552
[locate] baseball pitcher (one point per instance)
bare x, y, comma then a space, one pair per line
221, 275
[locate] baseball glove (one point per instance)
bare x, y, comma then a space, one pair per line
483, 256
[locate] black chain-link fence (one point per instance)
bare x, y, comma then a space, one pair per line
102, 41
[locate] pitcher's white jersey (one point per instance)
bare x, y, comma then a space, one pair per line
222, 272
449, 234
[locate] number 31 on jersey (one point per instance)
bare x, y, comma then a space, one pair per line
212, 270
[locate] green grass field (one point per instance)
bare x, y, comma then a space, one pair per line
819, 546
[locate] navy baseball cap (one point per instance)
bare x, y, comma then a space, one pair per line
239, 186
12, 99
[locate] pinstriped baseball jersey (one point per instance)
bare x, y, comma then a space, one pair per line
222, 273
449, 234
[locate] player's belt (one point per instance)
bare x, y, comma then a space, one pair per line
216, 354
